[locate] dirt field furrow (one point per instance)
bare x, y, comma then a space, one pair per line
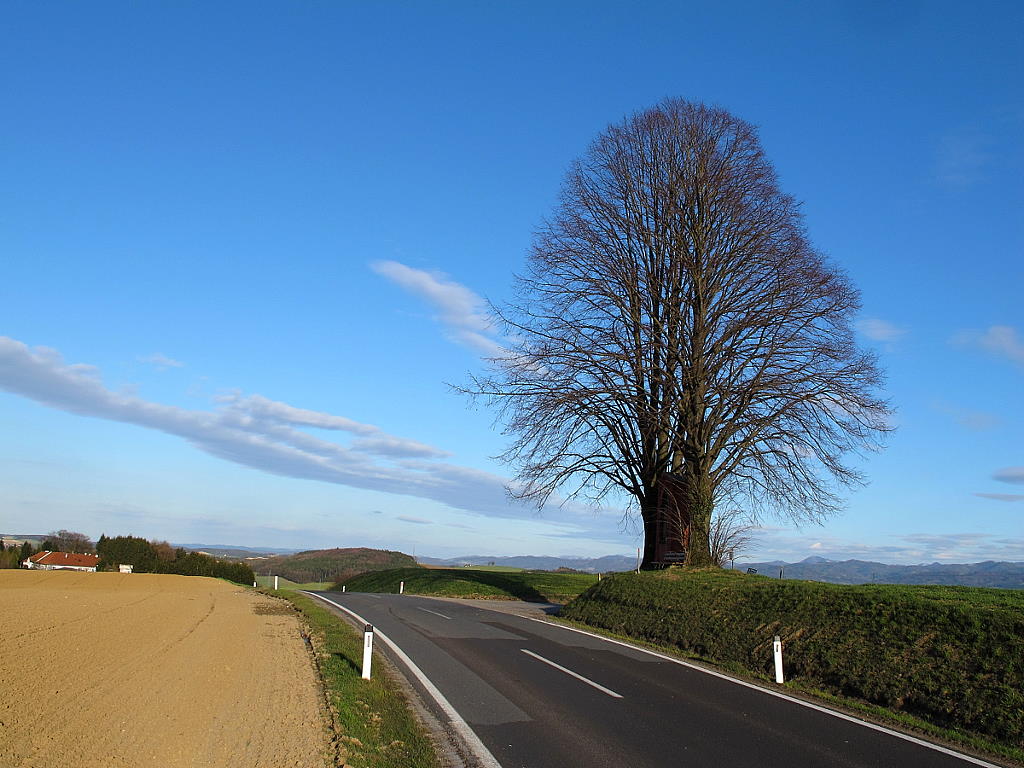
111, 670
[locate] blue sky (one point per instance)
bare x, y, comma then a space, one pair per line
245, 246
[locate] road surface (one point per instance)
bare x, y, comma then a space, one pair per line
539, 695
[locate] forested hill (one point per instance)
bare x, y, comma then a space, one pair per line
1004, 575
330, 564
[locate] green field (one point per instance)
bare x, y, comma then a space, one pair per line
535, 586
946, 660
282, 584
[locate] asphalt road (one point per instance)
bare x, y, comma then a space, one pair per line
541, 696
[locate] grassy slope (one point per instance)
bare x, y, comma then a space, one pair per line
537, 586
950, 656
331, 564
375, 726
283, 584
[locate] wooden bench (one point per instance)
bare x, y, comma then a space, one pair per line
671, 558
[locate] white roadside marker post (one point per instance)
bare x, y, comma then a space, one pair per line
342, 587
401, 587
254, 583
777, 645
275, 583
367, 650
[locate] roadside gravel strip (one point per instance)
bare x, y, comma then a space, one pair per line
111, 670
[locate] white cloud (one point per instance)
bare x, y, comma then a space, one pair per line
1013, 475
461, 311
1001, 496
161, 362
262, 434
1000, 340
416, 520
879, 330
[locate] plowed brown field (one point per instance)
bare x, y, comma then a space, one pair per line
110, 670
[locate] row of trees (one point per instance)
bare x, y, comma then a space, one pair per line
11, 557
161, 557
144, 556
55, 541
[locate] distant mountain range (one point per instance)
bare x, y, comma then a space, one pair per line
605, 564
234, 552
1004, 575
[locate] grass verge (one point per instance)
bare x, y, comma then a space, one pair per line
535, 586
375, 726
948, 662
267, 582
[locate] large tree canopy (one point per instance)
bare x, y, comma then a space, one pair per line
677, 338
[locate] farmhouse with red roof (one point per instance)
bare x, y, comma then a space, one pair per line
62, 561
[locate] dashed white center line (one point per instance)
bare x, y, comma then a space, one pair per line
435, 613
599, 687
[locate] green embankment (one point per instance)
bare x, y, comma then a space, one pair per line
951, 656
283, 584
375, 727
536, 586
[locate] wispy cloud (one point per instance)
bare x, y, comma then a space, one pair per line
416, 520
1001, 496
1013, 475
877, 329
999, 340
462, 312
963, 158
265, 435
161, 362
976, 421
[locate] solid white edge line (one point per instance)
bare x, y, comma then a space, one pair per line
434, 612
578, 676
472, 741
778, 694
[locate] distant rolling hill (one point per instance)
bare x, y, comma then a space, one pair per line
1004, 575
330, 564
605, 564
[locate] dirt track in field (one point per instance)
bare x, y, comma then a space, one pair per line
110, 670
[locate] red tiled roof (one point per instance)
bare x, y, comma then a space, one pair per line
65, 558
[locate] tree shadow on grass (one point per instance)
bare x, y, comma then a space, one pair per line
350, 663
505, 582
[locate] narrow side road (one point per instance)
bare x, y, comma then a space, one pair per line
538, 695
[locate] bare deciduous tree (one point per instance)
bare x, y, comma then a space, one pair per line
730, 536
70, 541
677, 338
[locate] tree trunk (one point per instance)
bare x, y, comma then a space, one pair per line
666, 522
698, 554
649, 513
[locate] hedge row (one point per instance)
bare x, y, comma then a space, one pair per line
951, 655
147, 557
